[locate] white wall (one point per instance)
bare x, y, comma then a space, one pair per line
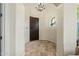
14, 29
50, 31
9, 29
66, 29
45, 31
20, 30
70, 27
60, 25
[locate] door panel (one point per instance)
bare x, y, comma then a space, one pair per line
34, 28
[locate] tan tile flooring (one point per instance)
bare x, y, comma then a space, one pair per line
40, 48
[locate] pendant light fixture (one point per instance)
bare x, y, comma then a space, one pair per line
40, 7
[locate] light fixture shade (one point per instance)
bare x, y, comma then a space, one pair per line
40, 7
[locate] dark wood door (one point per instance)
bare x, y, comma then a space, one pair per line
34, 28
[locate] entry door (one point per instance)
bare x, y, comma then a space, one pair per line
34, 28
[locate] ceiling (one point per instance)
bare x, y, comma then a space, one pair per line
54, 4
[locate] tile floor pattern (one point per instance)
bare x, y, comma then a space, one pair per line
40, 48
